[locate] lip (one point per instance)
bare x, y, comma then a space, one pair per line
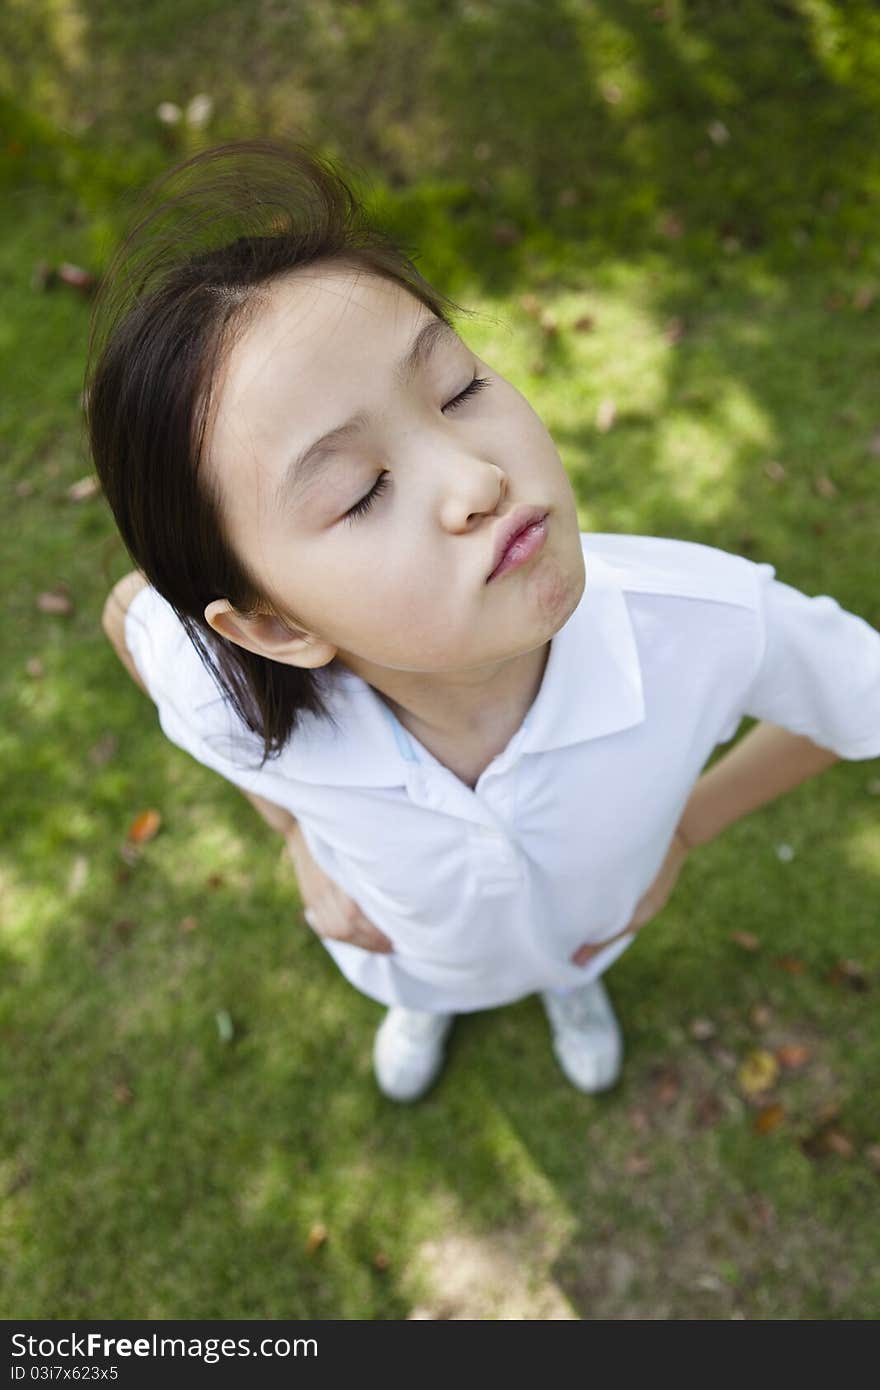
506, 533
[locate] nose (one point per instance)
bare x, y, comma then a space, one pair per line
470, 488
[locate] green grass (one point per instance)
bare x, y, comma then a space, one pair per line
152, 1169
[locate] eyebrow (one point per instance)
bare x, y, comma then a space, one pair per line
301, 469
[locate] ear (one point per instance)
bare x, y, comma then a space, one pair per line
268, 636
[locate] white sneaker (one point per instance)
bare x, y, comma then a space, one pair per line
408, 1051
586, 1036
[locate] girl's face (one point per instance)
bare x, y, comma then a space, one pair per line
380, 545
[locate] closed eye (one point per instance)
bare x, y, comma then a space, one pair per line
360, 508
366, 502
470, 390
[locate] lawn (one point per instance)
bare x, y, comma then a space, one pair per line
666, 218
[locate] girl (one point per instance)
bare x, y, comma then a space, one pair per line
363, 597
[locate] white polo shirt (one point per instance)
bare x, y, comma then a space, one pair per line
485, 893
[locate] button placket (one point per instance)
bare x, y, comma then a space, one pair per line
495, 860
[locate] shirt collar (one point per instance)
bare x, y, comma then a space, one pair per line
592, 687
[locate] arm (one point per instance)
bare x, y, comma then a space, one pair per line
333, 913
113, 620
763, 765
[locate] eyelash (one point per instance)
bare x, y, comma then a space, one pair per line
360, 508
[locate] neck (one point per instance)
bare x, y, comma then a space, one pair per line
470, 706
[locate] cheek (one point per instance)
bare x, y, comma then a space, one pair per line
408, 630
558, 588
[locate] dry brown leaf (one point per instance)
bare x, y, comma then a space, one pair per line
792, 964
761, 1015
506, 233
768, 1118
316, 1237
381, 1261
827, 1111
585, 324
839, 1143
123, 1094
746, 939
793, 1055
187, 924
105, 748
848, 972
824, 486
54, 601
757, 1072
717, 132
827, 1140
762, 1215
199, 109
83, 488
667, 1085
708, 1110
637, 1165
144, 827
672, 226
76, 277
864, 297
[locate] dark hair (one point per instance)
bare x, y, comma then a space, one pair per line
188, 276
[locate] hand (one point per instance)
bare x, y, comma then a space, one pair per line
650, 902
328, 910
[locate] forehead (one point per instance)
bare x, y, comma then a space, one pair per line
306, 358
315, 321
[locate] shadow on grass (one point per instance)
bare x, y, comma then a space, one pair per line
597, 120
162, 1172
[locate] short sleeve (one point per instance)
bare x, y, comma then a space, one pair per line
193, 713
818, 669
144, 607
